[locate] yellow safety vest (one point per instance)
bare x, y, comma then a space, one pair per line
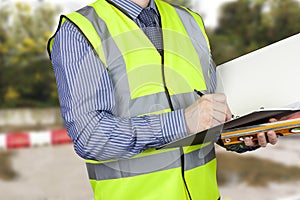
147, 83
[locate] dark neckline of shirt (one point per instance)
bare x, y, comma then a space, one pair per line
133, 9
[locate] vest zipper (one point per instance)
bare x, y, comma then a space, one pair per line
165, 85
172, 109
182, 172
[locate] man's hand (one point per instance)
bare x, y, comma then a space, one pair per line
208, 111
263, 138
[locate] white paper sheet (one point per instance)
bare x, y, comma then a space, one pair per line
268, 77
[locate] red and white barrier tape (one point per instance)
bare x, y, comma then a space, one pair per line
34, 138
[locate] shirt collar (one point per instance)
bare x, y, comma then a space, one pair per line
132, 9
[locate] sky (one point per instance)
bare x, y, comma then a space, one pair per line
207, 8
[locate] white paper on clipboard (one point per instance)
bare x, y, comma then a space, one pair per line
268, 78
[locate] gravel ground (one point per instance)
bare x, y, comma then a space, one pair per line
287, 152
56, 173
47, 173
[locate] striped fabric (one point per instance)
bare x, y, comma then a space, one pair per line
86, 105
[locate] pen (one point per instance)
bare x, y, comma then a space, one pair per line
198, 92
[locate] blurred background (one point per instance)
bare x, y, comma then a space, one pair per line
28, 100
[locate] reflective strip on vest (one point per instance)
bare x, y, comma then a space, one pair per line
199, 39
149, 164
183, 71
138, 54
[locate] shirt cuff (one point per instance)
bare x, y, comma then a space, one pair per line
173, 125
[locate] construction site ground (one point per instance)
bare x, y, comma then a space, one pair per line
57, 173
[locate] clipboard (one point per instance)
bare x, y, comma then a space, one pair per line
246, 79
235, 80
213, 134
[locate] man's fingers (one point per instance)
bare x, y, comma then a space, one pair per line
220, 117
208, 111
219, 98
262, 140
273, 120
249, 142
215, 97
228, 113
272, 137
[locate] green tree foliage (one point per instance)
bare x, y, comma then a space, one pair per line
246, 25
286, 18
26, 77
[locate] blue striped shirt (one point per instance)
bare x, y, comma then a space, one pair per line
87, 99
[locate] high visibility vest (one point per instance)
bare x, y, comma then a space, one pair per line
147, 83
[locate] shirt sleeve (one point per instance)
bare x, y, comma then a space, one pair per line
87, 100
